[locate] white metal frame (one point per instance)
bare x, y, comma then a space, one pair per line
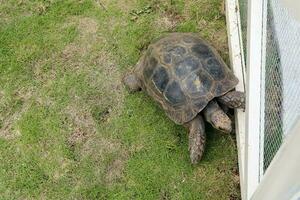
255, 184
249, 125
253, 103
238, 67
262, 99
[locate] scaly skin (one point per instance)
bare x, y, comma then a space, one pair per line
233, 99
132, 82
197, 138
217, 117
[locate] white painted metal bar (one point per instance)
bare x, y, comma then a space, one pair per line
238, 67
281, 180
262, 88
253, 102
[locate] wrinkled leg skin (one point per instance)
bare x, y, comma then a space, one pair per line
132, 82
214, 114
197, 138
233, 99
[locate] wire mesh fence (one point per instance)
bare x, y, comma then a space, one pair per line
273, 96
282, 74
274, 76
281, 71
243, 14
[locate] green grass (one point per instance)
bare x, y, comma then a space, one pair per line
68, 127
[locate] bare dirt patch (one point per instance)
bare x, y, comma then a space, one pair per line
87, 26
1, 94
123, 5
107, 81
114, 170
108, 154
10, 116
168, 20
87, 55
81, 123
77, 136
7, 132
71, 57
87, 38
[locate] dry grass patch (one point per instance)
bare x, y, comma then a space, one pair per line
84, 42
108, 154
168, 21
123, 5
11, 116
81, 124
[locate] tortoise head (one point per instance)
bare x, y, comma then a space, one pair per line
221, 121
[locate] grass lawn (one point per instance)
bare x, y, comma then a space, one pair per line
68, 127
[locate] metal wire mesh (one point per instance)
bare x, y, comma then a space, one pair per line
273, 94
243, 14
282, 74
281, 88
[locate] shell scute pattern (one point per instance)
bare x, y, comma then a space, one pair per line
151, 62
202, 51
167, 58
174, 93
160, 78
198, 84
175, 50
186, 66
183, 73
215, 69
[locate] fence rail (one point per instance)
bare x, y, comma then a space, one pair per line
264, 41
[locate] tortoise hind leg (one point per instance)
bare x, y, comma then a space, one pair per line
233, 99
197, 139
132, 82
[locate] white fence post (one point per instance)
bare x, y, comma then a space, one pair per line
238, 67
253, 103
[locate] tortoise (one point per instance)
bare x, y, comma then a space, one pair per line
191, 82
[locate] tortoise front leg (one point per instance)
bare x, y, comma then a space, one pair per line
197, 138
233, 99
217, 117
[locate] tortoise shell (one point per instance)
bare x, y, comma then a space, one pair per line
182, 72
